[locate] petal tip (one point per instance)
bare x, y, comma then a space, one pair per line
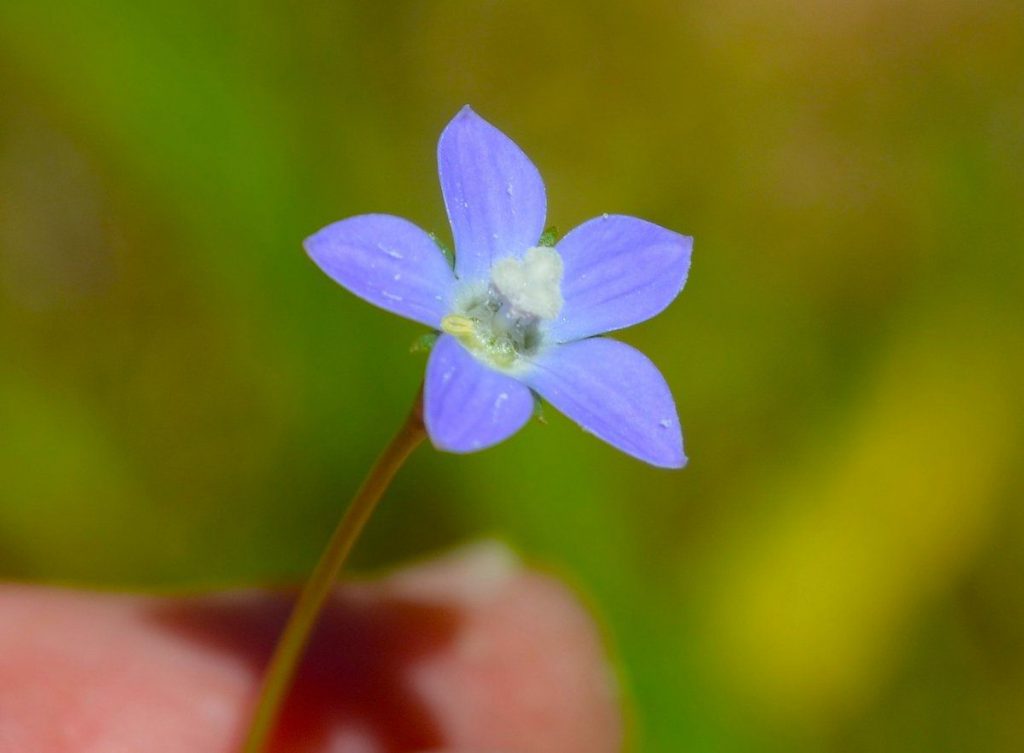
313, 246
670, 457
677, 463
465, 115
686, 241
308, 245
459, 447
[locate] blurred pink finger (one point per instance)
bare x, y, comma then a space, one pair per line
466, 653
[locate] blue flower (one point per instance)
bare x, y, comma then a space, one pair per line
516, 316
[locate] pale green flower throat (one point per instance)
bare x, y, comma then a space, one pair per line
504, 321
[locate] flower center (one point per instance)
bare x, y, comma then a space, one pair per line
505, 321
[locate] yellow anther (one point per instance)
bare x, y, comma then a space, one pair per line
457, 325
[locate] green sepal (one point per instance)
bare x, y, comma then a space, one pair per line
423, 343
549, 237
448, 253
538, 409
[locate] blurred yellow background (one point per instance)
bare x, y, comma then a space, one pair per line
185, 400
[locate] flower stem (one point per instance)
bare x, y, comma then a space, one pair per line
293, 640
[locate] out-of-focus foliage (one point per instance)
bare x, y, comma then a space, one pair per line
185, 400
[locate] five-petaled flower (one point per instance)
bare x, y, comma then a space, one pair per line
517, 316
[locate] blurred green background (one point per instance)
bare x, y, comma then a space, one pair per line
185, 400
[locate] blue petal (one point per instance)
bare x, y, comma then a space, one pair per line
468, 406
618, 271
615, 392
387, 261
493, 193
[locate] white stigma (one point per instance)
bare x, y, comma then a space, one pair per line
532, 284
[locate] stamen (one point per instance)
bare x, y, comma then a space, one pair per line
457, 325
